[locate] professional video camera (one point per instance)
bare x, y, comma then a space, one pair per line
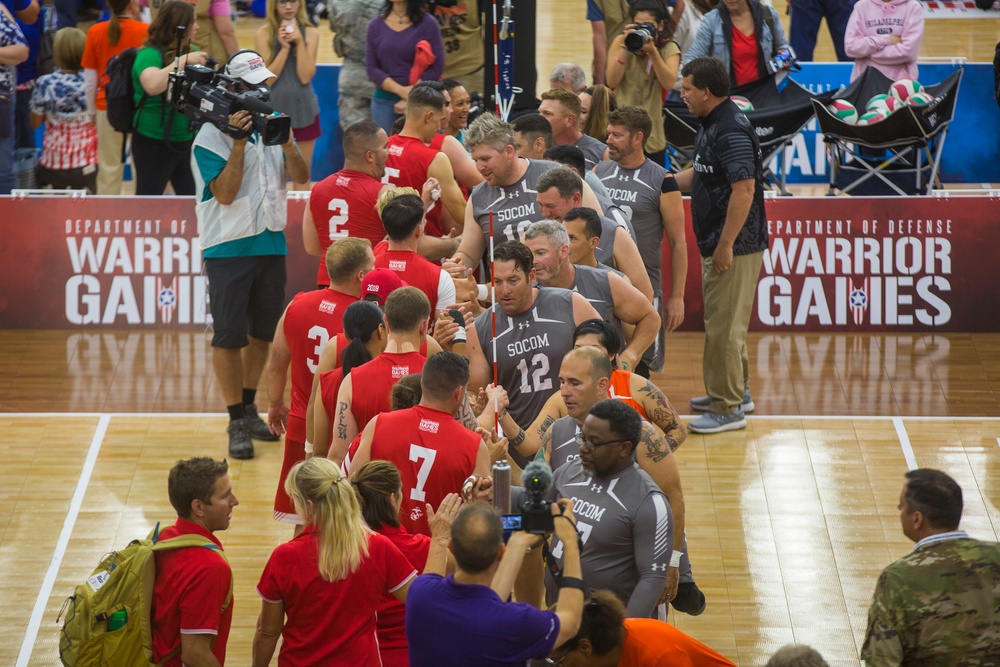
535, 516
642, 33
204, 95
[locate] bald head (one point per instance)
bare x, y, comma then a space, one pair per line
476, 537
596, 361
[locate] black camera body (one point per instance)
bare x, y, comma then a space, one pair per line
642, 33
536, 515
202, 94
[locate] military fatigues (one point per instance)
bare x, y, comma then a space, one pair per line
530, 347
349, 21
637, 192
938, 605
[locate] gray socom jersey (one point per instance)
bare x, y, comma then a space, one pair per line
530, 348
627, 531
637, 192
595, 286
563, 447
514, 206
592, 149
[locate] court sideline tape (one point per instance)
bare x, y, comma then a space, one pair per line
904, 442
35, 622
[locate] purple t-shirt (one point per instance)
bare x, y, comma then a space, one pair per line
390, 54
448, 623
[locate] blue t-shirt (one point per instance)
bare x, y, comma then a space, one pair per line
461, 625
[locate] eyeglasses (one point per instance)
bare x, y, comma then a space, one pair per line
288, 2
581, 439
550, 661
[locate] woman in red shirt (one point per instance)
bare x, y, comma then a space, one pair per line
321, 589
379, 490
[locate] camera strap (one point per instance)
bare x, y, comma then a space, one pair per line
557, 573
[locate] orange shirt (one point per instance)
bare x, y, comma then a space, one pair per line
652, 643
98, 50
621, 390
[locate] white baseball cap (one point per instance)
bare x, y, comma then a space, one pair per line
248, 66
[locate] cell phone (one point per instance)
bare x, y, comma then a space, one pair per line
511, 522
289, 25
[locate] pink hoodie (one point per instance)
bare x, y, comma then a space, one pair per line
871, 25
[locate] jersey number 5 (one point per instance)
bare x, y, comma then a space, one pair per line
426, 457
539, 369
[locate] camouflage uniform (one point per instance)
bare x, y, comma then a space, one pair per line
349, 21
939, 605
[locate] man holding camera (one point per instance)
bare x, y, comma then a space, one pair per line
465, 619
241, 186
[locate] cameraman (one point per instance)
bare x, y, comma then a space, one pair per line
465, 618
639, 76
241, 186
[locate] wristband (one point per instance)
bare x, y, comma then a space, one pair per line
573, 582
482, 293
675, 558
309, 447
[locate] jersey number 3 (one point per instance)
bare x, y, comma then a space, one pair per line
426, 457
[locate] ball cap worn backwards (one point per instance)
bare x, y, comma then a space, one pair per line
248, 66
379, 284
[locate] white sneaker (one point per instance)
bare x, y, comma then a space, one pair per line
703, 403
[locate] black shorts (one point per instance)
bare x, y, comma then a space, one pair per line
246, 296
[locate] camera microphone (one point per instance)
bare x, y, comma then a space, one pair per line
537, 477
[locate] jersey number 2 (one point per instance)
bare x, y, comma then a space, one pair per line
426, 457
338, 218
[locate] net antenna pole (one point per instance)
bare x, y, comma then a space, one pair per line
503, 60
493, 321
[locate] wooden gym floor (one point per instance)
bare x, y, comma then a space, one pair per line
789, 522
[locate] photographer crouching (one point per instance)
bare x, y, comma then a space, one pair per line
643, 63
241, 170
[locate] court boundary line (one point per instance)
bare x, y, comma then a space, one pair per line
41, 602
904, 443
221, 415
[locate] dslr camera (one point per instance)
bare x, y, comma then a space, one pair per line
642, 33
536, 516
205, 95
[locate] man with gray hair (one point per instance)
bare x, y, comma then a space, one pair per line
561, 190
568, 76
797, 655
508, 191
607, 291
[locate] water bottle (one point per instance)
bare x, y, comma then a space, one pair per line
501, 486
117, 620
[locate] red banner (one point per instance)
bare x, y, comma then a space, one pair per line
834, 264
869, 264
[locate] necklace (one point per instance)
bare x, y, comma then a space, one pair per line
402, 17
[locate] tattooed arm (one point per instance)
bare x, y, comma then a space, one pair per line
659, 409
364, 453
345, 426
528, 441
654, 457
465, 416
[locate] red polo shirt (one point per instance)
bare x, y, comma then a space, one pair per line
191, 587
330, 623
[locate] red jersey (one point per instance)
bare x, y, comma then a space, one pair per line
329, 387
621, 390
372, 383
391, 613
330, 623
311, 319
344, 205
417, 272
434, 454
191, 586
407, 165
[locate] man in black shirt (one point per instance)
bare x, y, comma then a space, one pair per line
727, 212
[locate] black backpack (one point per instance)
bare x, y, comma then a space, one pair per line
120, 93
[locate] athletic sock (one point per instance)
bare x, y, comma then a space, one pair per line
235, 411
249, 396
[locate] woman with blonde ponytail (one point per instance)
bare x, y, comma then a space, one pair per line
320, 590
105, 41
380, 493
